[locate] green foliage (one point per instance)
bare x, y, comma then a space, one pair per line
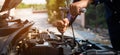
22, 5
95, 16
34, 6
53, 9
38, 6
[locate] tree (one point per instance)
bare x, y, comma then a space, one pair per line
96, 13
53, 9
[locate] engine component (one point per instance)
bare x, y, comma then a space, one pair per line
48, 43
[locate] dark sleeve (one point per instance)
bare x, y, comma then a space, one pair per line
75, 0
70, 18
95, 2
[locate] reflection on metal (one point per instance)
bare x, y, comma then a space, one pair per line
82, 20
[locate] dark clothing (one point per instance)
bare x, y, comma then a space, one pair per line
113, 20
111, 6
113, 23
75, 0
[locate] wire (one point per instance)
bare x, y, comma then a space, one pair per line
73, 33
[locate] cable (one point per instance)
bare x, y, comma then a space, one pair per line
73, 34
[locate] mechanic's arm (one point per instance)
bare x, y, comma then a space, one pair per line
77, 6
74, 10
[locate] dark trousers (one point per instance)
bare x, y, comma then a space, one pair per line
114, 30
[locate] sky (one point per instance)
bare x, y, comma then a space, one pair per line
34, 1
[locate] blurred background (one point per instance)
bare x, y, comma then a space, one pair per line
45, 12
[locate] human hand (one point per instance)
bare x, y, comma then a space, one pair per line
75, 8
61, 25
4, 16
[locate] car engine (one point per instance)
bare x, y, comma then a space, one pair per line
44, 43
48, 43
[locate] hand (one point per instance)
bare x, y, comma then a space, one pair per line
62, 25
4, 16
77, 6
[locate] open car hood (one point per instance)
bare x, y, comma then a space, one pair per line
9, 4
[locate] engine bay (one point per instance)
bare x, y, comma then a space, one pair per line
44, 43
49, 43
